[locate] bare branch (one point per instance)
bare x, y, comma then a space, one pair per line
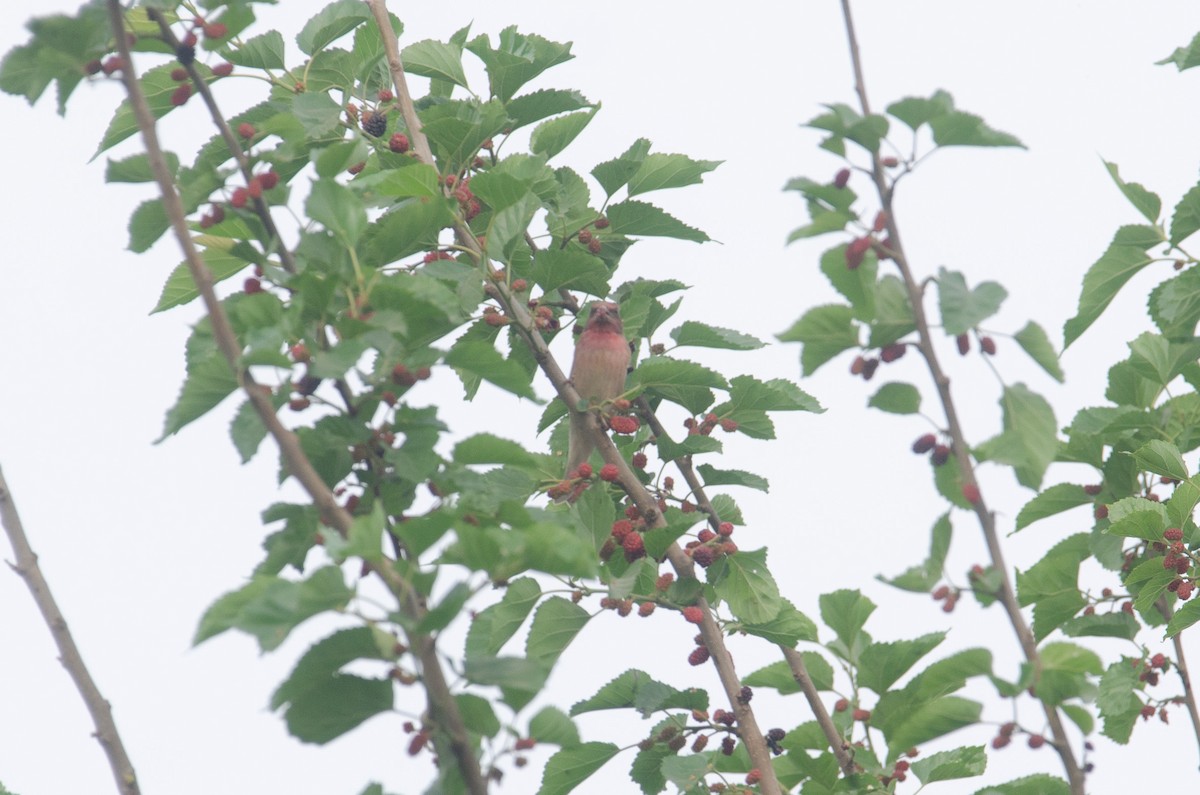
69, 656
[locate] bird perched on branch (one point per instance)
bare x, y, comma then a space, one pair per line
598, 373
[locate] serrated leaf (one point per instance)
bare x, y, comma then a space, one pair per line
538, 105
824, 332
964, 308
1038, 784
948, 765
180, 289
845, 612
702, 335
331, 23
551, 137
1034, 341
570, 767
1029, 441
483, 360
551, 725
896, 398
570, 270
435, 59
882, 664
732, 477
1118, 624
921, 578
1117, 700
555, 624
1161, 458
1144, 201
495, 625
639, 219
683, 382
136, 168
338, 209
1101, 284
1056, 499
209, 381
746, 585
1185, 219
659, 171
264, 51
613, 174
1187, 614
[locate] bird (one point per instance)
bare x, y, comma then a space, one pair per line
598, 373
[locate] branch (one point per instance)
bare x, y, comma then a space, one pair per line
959, 446
408, 110
443, 707
99, 708
987, 519
794, 659
1189, 693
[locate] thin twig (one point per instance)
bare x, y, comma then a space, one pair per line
794, 659
1181, 666
443, 708
408, 110
987, 521
69, 656
262, 210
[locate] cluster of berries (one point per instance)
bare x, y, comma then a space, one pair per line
987, 345
461, 191
589, 239
947, 596
622, 423
928, 443
579, 479
866, 366
861, 715
706, 425
405, 377
258, 184
709, 545
1176, 557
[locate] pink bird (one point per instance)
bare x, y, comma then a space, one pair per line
598, 373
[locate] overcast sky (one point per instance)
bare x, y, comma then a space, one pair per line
137, 540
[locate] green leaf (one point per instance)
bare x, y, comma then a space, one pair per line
569, 269
483, 360
966, 129
555, 624
732, 477
538, 105
1038, 784
921, 578
270, 607
963, 308
570, 767
858, 285
702, 335
552, 726
551, 137
56, 53
486, 448
778, 675
1029, 441
1056, 499
518, 58
930, 720
893, 312
1065, 670
331, 23
449, 608
322, 702
136, 168
1101, 284
659, 171
435, 59
1032, 338
896, 398
180, 289
635, 689
1118, 701
147, 224
1118, 624
1185, 220
1185, 57
746, 585
1161, 458
1185, 616
209, 381
787, 628
1051, 585
824, 332
495, 625
613, 174
337, 208
1175, 305
845, 122
1137, 517
845, 612
881, 664
963, 762
265, 51
683, 382
1144, 201
637, 218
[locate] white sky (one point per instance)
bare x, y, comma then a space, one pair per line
137, 540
